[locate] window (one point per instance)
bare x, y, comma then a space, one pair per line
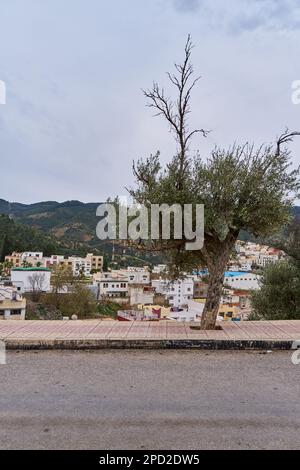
16, 312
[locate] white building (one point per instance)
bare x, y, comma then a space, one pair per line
33, 258
178, 293
264, 260
81, 266
31, 279
112, 285
32, 254
12, 304
159, 269
242, 281
192, 313
140, 294
138, 275
246, 267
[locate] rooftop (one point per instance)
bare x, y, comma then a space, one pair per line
31, 269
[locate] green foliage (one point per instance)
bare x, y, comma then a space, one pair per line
17, 237
80, 301
241, 189
42, 310
279, 297
108, 309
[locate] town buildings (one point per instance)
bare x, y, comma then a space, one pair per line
177, 293
79, 265
112, 286
12, 303
241, 280
148, 290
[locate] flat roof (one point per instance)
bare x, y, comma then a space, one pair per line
31, 269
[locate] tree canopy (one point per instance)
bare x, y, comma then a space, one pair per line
242, 188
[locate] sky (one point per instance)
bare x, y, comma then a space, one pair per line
75, 117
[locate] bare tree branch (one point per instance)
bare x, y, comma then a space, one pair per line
285, 138
176, 112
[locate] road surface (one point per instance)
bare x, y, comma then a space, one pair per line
149, 400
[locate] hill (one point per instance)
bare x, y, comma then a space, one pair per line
69, 228
18, 237
72, 225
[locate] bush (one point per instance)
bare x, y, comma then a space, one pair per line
279, 297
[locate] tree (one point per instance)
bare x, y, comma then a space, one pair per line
289, 241
279, 297
62, 279
80, 301
36, 283
242, 188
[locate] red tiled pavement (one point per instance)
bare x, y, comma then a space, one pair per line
96, 329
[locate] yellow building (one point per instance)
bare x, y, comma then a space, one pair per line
229, 312
96, 262
15, 259
226, 311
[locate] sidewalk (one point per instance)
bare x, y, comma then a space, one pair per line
96, 334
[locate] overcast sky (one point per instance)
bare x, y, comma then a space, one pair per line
75, 116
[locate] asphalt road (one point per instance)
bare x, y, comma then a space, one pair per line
149, 400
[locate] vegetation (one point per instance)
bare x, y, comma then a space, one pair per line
17, 237
80, 301
72, 229
108, 309
279, 297
242, 188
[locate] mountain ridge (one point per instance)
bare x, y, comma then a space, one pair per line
72, 224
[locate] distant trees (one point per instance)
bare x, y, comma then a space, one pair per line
242, 188
17, 237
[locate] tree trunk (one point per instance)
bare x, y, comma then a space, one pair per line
214, 293
216, 278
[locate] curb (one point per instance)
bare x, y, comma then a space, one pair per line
101, 344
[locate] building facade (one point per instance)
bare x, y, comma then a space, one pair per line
177, 293
12, 304
31, 279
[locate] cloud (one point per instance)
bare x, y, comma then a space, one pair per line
238, 16
268, 15
187, 5
75, 117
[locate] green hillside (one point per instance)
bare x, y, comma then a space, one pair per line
66, 228
71, 226
18, 237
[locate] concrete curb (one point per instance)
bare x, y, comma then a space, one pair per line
100, 344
